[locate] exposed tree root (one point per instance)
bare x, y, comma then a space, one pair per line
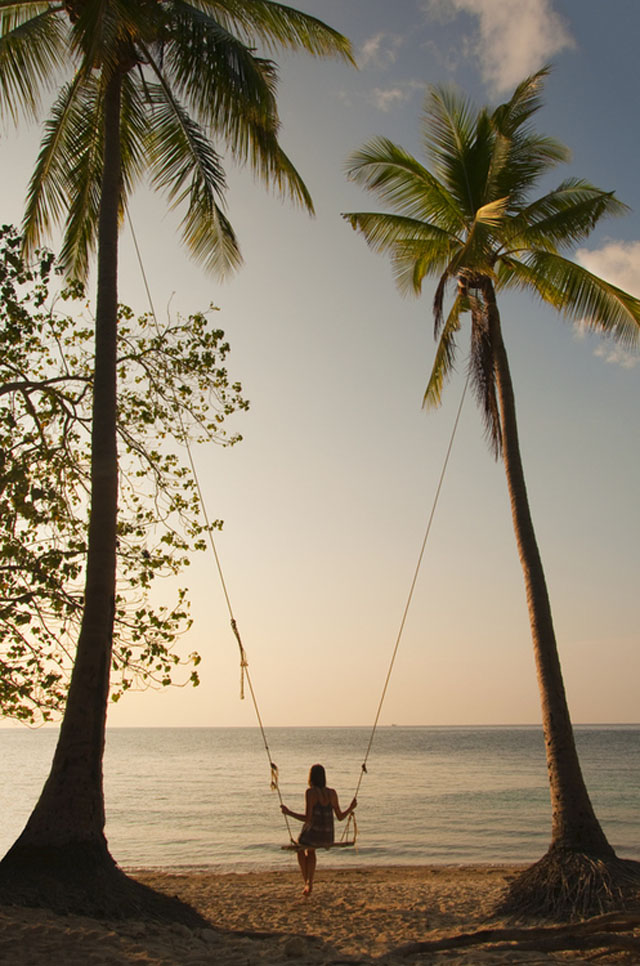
601, 932
73, 881
566, 885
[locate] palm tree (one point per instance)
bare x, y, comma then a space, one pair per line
149, 81
470, 219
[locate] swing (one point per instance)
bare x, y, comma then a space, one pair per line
350, 833
349, 838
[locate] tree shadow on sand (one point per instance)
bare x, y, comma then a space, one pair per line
67, 882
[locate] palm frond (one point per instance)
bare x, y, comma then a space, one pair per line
263, 153
563, 217
135, 120
183, 163
457, 138
177, 143
234, 93
413, 261
208, 233
521, 155
449, 122
514, 273
483, 374
276, 26
417, 248
383, 232
85, 174
493, 213
443, 363
529, 158
438, 303
82, 152
66, 183
578, 294
399, 180
47, 195
510, 117
476, 165
104, 33
32, 47
214, 73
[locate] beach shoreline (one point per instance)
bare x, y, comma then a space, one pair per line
361, 915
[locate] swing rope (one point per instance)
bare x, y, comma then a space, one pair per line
351, 824
244, 664
363, 767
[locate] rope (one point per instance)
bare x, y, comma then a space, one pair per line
350, 832
363, 768
244, 664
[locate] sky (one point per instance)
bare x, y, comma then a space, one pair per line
326, 499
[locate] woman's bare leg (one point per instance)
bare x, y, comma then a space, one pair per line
302, 862
311, 868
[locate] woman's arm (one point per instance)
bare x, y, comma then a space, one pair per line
336, 806
298, 815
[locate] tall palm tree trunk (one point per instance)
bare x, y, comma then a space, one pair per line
67, 823
574, 825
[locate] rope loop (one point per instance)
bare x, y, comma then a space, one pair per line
274, 776
244, 664
351, 824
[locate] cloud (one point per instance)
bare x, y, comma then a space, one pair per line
514, 39
616, 355
385, 98
380, 50
617, 262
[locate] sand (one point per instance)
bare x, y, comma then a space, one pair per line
357, 915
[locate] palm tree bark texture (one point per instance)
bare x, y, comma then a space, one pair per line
73, 793
573, 821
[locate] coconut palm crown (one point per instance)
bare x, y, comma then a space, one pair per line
470, 221
189, 72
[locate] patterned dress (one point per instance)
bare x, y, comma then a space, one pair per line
318, 835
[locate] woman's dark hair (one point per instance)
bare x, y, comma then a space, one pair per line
317, 776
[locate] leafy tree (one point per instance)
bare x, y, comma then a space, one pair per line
470, 220
173, 385
150, 81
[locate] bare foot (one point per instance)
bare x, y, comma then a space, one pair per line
307, 890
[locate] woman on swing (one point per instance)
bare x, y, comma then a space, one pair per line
317, 832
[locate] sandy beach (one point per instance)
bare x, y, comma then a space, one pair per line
260, 919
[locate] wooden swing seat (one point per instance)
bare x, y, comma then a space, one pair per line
293, 847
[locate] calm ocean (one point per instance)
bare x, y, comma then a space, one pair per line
200, 798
